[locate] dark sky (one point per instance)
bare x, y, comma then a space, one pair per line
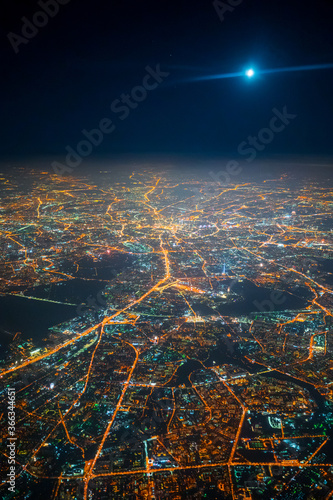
66, 77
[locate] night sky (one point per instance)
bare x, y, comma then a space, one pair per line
66, 77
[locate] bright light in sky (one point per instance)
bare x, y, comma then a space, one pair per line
250, 73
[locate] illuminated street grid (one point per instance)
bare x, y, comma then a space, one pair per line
161, 391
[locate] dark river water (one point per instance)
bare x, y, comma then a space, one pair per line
30, 317
260, 299
33, 317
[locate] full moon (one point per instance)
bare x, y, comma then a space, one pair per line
250, 73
